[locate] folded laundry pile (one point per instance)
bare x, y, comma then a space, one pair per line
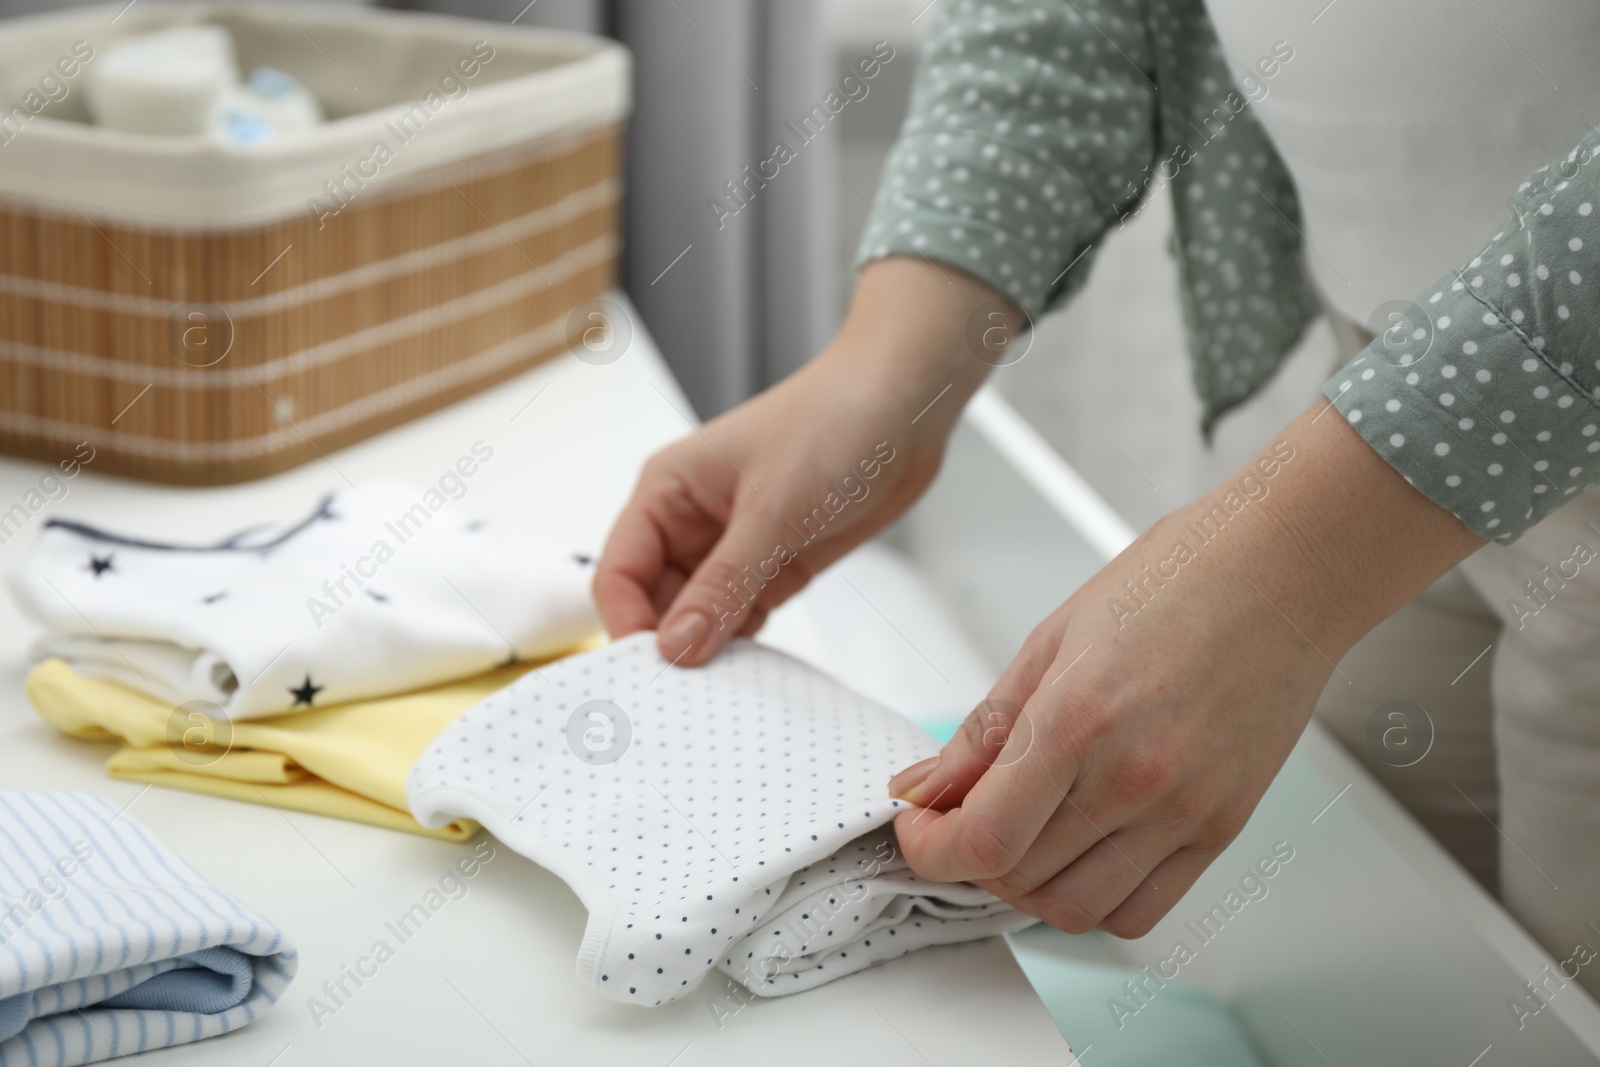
376, 592
112, 945
733, 816
304, 665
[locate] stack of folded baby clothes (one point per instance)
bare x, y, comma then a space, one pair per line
375, 663
303, 664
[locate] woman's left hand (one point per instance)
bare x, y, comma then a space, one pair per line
1130, 739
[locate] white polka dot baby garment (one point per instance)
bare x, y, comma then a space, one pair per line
380, 589
733, 815
858, 907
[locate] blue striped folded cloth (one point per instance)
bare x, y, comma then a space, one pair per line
110, 944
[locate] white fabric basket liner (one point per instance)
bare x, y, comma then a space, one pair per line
367, 68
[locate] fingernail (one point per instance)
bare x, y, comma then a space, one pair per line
683, 633
904, 784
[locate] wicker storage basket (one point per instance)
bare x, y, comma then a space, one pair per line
204, 314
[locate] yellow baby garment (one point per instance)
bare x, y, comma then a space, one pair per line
348, 761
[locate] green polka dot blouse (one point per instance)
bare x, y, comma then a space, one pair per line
1037, 127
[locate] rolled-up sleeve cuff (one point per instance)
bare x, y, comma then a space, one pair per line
1473, 413
1023, 228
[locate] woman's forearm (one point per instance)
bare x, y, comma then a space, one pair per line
1324, 528
916, 330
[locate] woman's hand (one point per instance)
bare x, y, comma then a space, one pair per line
731, 521
1128, 742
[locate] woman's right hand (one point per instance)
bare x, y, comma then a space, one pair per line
732, 520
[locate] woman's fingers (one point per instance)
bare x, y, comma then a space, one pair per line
749, 571
1067, 838
1097, 883
944, 781
998, 821
672, 580
1009, 768
662, 534
1155, 896
626, 577
963, 845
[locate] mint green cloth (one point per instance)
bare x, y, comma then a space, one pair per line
1175, 1024
942, 729
1038, 126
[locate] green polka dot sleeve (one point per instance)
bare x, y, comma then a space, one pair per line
1484, 392
1029, 131
1036, 128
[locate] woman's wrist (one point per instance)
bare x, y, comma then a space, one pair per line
1323, 532
920, 339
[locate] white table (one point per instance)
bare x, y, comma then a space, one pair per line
491, 978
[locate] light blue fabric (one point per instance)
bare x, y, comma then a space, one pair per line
111, 945
14, 1014
208, 981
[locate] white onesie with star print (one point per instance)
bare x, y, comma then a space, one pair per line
380, 589
731, 816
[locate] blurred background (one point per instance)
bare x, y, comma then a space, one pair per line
765, 289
